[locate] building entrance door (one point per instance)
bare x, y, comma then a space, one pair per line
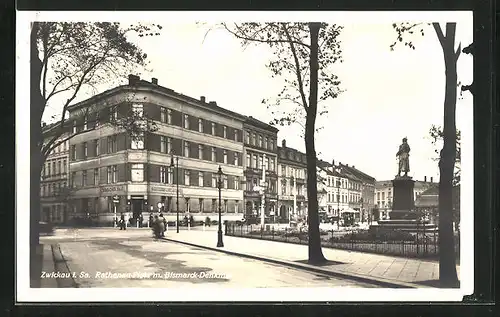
137, 205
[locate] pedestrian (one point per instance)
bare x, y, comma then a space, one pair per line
151, 219
122, 221
141, 220
162, 225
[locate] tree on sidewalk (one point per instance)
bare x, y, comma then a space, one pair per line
304, 56
447, 260
66, 58
436, 134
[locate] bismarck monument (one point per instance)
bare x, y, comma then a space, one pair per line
403, 201
403, 215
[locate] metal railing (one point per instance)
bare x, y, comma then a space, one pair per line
420, 244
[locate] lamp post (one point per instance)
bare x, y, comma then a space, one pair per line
177, 185
294, 193
220, 243
338, 203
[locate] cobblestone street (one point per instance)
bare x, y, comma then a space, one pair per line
113, 258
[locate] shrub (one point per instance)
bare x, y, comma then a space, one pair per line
386, 236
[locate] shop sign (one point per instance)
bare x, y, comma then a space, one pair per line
110, 189
166, 190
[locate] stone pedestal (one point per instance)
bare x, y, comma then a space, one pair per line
403, 202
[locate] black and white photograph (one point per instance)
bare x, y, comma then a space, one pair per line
244, 156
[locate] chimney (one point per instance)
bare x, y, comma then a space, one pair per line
333, 162
44, 124
202, 99
154, 81
283, 143
347, 165
212, 103
353, 166
432, 180
425, 179
133, 79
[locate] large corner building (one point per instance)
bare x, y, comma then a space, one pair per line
113, 173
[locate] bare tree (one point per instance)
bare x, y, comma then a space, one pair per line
447, 260
65, 59
304, 56
436, 134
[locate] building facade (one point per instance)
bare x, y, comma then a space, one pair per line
384, 191
363, 188
114, 173
260, 165
333, 190
54, 190
292, 183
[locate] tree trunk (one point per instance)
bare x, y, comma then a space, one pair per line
315, 253
447, 259
37, 105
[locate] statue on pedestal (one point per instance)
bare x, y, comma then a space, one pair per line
404, 158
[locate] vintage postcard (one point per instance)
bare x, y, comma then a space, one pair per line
237, 156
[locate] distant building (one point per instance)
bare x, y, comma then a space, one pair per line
363, 186
384, 194
260, 151
339, 192
427, 204
292, 183
54, 181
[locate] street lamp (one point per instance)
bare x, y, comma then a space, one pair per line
338, 203
177, 183
220, 243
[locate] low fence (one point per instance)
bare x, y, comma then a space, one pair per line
395, 242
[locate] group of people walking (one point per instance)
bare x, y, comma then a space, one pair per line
158, 224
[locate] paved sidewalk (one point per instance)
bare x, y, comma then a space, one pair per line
405, 272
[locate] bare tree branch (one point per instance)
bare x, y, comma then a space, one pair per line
297, 69
439, 33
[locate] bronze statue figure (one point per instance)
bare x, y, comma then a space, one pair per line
404, 158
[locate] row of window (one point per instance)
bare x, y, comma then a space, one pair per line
261, 141
342, 183
257, 161
137, 174
383, 195
288, 190
165, 147
289, 171
254, 182
64, 146
54, 213
52, 189
334, 198
382, 204
168, 205
165, 117
54, 167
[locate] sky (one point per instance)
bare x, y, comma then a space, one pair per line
388, 94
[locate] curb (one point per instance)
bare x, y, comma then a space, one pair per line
60, 265
311, 268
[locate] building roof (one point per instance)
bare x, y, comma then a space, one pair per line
430, 197
257, 123
359, 174
295, 152
50, 129
139, 83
